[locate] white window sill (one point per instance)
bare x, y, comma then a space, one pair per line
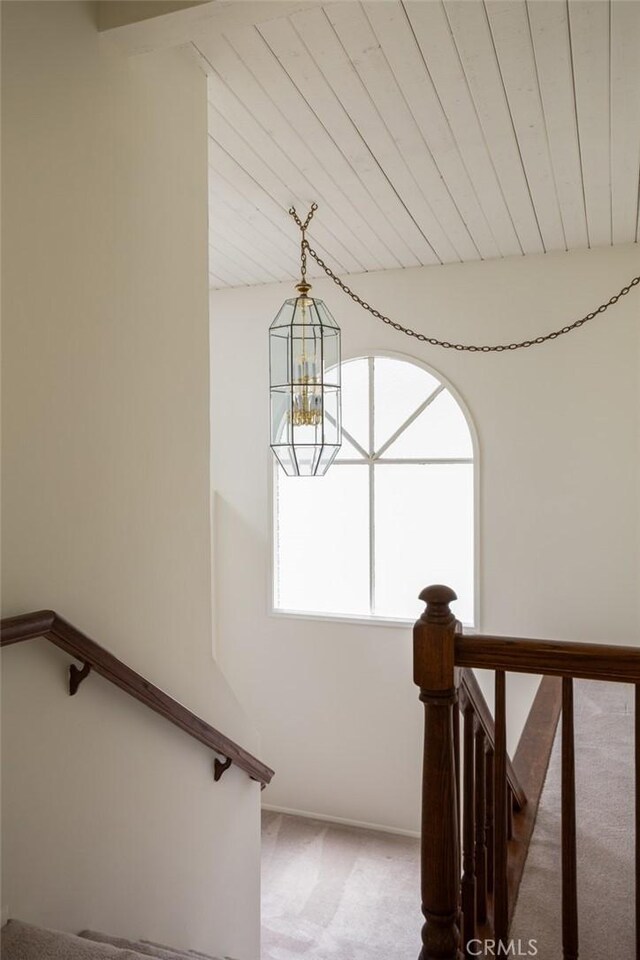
354, 619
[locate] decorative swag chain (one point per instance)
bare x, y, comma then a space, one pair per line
468, 347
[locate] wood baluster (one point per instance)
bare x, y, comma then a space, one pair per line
481, 815
569, 870
468, 832
489, 809
456, 754
501, 890
433, 672
637, 781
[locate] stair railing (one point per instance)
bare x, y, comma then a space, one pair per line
470, 898
47, 624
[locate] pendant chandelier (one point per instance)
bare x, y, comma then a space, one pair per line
304, 353
304, 340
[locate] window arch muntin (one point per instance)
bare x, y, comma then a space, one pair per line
372, 459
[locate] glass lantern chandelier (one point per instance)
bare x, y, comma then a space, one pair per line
306, 426
304, 351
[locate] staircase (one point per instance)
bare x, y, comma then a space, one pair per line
479, 808
22, 941
169, 835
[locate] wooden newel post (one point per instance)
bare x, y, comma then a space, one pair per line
433, 672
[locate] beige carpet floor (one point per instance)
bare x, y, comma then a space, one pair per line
339, 893
605, 834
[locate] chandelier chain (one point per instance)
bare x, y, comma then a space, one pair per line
304, 245
433, 341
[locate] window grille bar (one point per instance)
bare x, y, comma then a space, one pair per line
407, 423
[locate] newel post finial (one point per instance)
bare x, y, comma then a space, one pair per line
433, 672
437, 598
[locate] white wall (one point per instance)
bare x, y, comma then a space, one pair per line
111, 818
559, 428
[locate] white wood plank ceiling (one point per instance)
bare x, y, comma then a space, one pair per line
428, 132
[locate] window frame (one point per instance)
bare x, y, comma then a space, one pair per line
370, 619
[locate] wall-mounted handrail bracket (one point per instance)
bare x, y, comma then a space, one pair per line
76, 676
220, 766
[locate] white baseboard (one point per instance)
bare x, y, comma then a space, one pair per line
341, 820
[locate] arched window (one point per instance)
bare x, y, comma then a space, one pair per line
394, 513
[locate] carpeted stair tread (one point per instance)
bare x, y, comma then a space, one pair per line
22, 941
190, 954
143, 947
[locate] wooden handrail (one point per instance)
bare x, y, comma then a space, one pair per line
47, 624
470, 689
558, 658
